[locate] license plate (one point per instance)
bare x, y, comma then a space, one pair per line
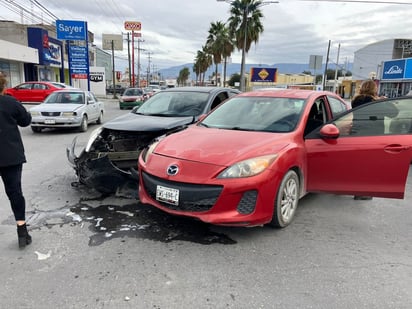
50, 121
167, 195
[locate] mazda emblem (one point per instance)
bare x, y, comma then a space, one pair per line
172, 170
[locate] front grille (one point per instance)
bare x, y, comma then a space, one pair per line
192, 197
54, 114
247, 203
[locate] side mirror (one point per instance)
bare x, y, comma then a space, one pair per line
329, 131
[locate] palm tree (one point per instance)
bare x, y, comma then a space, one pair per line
220, 45
202, 62
246, 26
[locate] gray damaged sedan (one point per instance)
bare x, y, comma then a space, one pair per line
109, 160
71, 108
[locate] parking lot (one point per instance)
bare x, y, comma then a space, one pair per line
94, 251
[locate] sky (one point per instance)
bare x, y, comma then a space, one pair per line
174, 30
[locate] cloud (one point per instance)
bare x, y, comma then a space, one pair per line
173, 30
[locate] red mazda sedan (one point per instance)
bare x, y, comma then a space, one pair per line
251, 159
34, 92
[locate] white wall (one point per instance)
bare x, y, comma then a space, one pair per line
16, 52
97, 81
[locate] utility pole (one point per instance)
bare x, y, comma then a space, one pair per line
336, 71
148, 67
325, 77
130, 63
138, 61
114, 73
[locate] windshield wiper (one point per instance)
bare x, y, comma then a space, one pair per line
241, 129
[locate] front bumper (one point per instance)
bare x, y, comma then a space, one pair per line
56, 122
99, 173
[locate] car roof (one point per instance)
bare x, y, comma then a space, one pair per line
71, 90
286, 93
207, 89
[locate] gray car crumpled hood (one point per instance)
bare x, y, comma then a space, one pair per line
136, 122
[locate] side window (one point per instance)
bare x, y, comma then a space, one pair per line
336, 106
389, 117
316, 116
25, 86
219, 99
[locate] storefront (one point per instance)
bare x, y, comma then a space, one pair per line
51, 65
13, 58
396, 79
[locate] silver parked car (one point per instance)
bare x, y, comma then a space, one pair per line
71, 108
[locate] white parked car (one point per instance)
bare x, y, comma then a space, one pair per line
70, 108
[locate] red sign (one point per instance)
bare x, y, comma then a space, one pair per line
79, 76
133, 25
137, 34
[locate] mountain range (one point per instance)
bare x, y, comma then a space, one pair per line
232, 68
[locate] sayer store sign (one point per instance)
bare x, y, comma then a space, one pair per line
71, 30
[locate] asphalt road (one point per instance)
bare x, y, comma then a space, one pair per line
90, 251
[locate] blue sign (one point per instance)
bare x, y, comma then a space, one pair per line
71, 30
267, 75
394, 69
408, 69
78, 62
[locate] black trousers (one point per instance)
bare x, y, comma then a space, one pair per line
11, 176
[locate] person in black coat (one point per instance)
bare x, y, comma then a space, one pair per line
12, 115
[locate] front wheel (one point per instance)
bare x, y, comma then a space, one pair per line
286, 202
83, 125
100, 119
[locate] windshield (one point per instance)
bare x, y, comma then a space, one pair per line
175, 104
133, 92
265, 114
65, 98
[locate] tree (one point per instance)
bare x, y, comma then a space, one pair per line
245, 26
220, 45
202, 62
235, 78
183, 76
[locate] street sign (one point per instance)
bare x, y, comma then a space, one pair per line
107, 40
71, 30
78, 62
133, 25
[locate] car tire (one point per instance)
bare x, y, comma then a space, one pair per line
36, 129
100, 119
286, 202
83, 125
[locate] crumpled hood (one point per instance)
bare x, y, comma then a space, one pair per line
58, 107
135, 122
220, 147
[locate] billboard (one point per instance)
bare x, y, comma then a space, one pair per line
266, 75
73, 30
107, 40
394, 69
133, 25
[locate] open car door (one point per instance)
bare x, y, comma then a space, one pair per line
365, 151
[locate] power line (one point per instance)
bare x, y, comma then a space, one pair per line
358, 1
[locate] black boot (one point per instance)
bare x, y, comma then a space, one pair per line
24, 237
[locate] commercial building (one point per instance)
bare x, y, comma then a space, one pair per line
388, 62
33, 53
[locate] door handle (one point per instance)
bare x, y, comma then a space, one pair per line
396, 148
